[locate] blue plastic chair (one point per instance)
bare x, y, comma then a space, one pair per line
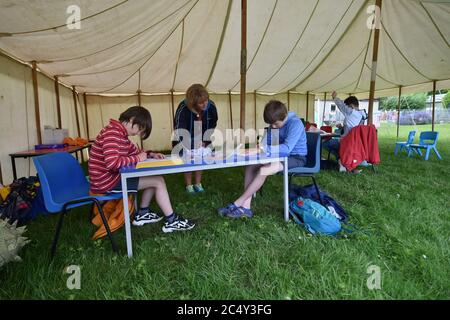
399, 146
64, 187
312, 165
428, 140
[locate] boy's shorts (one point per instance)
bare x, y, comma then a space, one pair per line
295, 161
132, 186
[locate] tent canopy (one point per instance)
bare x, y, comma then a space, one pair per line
299, 45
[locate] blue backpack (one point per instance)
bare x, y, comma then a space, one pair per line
309, 192
314, 217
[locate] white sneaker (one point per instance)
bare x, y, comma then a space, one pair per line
341, 167
148, 217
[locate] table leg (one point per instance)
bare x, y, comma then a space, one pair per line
13, 162
126, 210
286, 190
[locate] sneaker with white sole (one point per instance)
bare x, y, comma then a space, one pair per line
179, 224
145, 218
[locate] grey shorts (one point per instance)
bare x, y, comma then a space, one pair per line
132, 186
295, 161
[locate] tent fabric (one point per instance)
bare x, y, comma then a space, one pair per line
299, 45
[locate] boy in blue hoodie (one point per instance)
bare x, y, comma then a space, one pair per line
288, 130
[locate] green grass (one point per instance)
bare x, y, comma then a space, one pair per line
403, 209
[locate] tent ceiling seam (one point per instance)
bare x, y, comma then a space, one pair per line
435, 25
65, 25
326, 56
179, 55
260, 42
170, 34
381, 76
364, 61
123, 41
293, 48
401, 53
340, 73
219, 48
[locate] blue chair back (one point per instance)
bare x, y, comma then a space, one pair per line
62, 179
411, 136
313, 156
428, 138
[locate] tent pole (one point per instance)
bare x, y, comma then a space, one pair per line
243, 60
289, 100
324, 106
58, 102
231, 109
434, 105
398, 109
139, 97
86, 112
172, 107
374, 61
140, 104
307, 105
74, 94
254, 98
36, 102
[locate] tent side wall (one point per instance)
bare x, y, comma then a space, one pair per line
17, 121
18, 124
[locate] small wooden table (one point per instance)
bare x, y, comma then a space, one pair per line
40, 152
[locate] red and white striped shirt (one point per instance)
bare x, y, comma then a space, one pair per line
111, 150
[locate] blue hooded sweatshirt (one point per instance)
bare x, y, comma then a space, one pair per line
291, 137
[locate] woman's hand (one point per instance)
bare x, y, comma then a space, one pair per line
155, 155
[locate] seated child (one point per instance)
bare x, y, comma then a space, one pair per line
112, 150
289, 129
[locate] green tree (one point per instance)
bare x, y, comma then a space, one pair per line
446, 100
412, 101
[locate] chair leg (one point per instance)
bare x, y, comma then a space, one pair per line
105, 223
427, 154
419, 151
437, 153
57, 233
317, 190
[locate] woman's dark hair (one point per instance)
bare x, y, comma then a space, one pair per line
141, 117
352, 100
274, 111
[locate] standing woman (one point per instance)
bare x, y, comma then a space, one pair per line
196, 114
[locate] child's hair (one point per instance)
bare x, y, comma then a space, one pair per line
196, 93
141, 117
352, 100
274, 111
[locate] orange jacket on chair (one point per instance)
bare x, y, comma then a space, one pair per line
114, 213
360, 144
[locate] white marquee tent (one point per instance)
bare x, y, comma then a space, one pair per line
159, 47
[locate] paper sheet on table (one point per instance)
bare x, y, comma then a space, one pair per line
167, 161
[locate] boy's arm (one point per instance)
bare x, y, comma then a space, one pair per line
291, 140
113, 159
342, 106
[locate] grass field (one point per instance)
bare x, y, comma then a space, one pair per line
403, 210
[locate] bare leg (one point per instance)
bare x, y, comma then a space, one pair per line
245, 199
198, 177
157, 187
188, 178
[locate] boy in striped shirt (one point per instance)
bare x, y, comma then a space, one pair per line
112, 150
